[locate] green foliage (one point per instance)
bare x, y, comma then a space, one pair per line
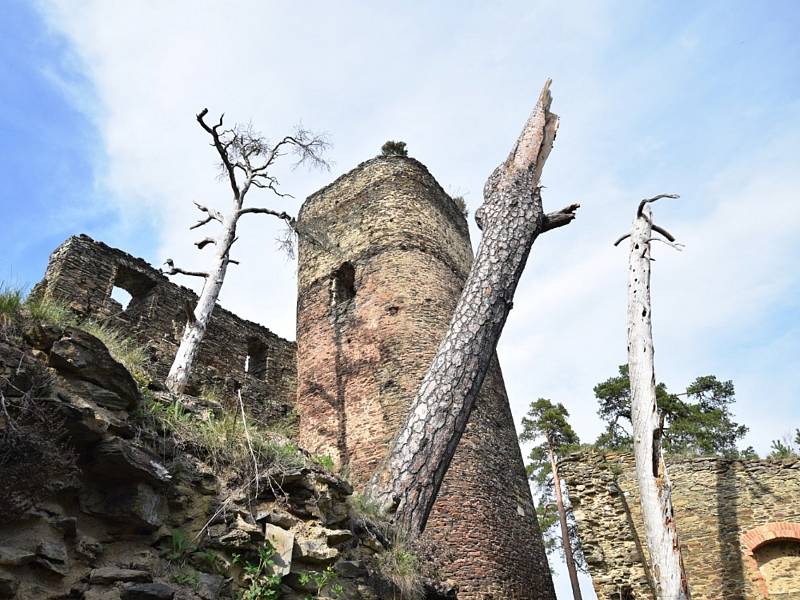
260, 579
322, 580
213, 393
221, 440
364, 508
324, 461
180, 547
10, 304
546, 426
392, 148
786, 447
462, 205
49, 311
186, 576
401, 566
123, 349
700, 425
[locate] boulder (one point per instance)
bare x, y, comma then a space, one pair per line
52, 556
85, 357
112, 575
283, 543
118, 460
315, 550
71, 388
137, 505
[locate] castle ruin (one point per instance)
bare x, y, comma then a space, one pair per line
380, 272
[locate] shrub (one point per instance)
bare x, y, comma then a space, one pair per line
392, 148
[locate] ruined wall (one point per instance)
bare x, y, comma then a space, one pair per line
83, 272
384, 253
738, 525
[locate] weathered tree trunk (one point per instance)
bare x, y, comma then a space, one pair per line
651, 473
511, 218
562, 517
195, 327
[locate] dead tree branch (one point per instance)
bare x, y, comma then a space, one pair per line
173, 270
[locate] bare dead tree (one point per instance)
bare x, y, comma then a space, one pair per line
511, 218
246, 158
655, 491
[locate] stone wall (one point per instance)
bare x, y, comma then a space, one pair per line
83, 272
738, 525
384, 253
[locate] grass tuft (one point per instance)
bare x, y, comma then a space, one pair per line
49, 311
400, 565
10, 304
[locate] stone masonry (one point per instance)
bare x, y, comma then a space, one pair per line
384, 253
738, 525
83, 273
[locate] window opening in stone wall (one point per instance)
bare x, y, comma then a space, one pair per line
130, 286
255, 364
122, 296
344, 284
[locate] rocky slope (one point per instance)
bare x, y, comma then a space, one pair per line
101, 499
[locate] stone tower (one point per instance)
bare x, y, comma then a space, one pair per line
382, 263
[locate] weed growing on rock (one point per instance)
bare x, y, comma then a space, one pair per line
322, 580
10, 304
400, 565
259, 576
49, 311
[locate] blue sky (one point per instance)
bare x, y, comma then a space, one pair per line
702, 99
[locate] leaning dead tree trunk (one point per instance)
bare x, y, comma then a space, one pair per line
651, 472
246, 158
562, 518
511, 218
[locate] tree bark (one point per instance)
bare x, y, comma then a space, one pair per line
651, 473
195, 328
562, 517
511, 218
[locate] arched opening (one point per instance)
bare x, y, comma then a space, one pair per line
773, 553
255, 364
779, 564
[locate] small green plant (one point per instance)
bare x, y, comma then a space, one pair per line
400, 565
213, 393
362, 507
180, 546
325, 461
321, 580
393, 148
209, 561
262, 582
187, 576
461, 204
10, 303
